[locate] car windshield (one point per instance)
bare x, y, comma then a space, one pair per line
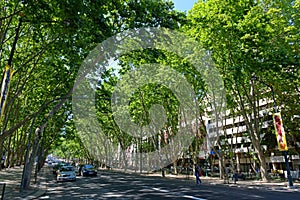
67, 169
88, 166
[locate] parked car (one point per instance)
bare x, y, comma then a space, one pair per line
66, 173
58, 166
87, 170
241, 176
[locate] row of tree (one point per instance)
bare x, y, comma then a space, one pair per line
255, 44
46, 42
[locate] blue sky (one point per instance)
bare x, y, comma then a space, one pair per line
184, 5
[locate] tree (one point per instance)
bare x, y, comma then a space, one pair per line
55, 36
248, 37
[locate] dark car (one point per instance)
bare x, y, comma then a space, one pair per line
87, 170
240, 176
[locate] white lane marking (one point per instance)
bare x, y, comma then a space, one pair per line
182, 195
192, 197
45, 197
161, 190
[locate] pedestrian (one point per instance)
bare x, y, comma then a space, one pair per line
198, 174
235, 177
226, 176
163, 172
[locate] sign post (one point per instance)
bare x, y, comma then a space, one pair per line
281, 141
280, 134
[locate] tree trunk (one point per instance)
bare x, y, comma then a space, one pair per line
222, 166
28, 166
251, 123
21, 153
1, 154
175, 167
14, 149
8, 155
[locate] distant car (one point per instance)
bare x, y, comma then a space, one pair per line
58, 166
87, 170
49, 163
241, 176
66, 173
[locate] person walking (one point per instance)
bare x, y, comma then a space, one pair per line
198, 174
226, 175
235, 177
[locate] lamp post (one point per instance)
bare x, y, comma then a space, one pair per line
290, 179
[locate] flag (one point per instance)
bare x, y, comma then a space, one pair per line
279, 130
5, 87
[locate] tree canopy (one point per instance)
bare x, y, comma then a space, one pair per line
253, 44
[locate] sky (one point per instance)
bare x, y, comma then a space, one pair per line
184, 5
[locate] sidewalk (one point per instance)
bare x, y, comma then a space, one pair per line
274, 185
271, 185
12, 177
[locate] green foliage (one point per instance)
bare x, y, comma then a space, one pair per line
245, 37
250, 37
54, 39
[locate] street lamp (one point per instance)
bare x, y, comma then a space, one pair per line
290, 180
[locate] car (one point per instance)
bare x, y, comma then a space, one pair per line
240, 176
58, 166
87, 170
66, 173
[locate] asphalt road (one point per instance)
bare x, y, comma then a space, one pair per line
114, 185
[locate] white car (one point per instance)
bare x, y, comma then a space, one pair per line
66, 173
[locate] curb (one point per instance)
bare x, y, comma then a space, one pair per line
35, 195
29, 196
12, 178
26, 195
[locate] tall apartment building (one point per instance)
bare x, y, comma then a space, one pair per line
236, 144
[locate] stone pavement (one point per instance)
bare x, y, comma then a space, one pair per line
12, 178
